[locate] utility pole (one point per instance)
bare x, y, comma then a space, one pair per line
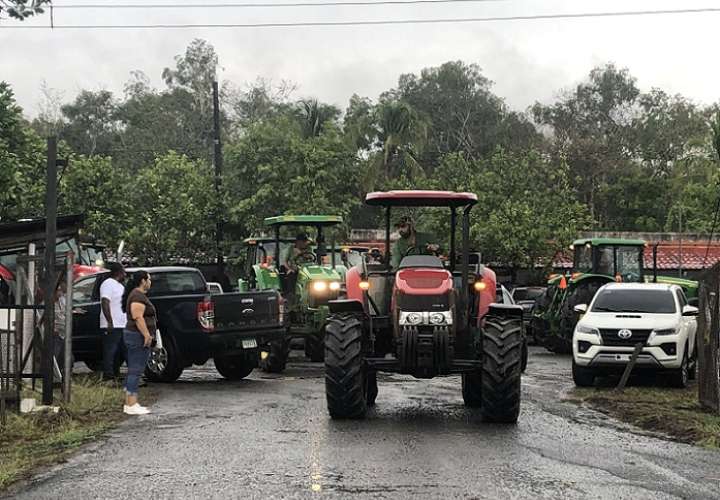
680, 265
49, 285
218, 161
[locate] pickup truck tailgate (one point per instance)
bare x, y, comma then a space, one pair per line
245, 310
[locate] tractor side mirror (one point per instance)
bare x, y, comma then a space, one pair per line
690, 311
580, 308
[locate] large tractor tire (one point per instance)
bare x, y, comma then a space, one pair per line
346, 381
502, 342
164, 365
234, 367
315, 348
277, 357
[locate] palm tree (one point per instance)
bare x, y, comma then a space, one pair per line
402, 136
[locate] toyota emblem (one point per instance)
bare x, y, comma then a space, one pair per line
625, 334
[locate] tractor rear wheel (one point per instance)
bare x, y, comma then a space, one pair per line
371, 390
502, 342
583, 293
346, 381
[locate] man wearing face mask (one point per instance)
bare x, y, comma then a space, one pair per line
411, 242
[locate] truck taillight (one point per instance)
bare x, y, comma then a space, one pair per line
206, 314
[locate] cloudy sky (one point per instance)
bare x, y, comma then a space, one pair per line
528, 60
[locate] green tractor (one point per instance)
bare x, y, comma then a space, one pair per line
314, 277
596, 261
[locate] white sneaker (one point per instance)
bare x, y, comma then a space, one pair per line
135, 409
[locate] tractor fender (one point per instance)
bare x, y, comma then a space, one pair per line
346, 306
506, 310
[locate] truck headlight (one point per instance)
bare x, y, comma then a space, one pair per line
587, 329
665, 331
334, 286
319, 286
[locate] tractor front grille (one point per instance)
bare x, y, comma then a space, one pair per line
423, 302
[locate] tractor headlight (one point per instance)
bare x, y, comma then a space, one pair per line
411, 318
334, 286
319, 286
440, 318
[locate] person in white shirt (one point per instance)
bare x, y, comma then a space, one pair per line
112, 318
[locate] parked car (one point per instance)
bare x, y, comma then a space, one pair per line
657, 316
194, 324
525, 296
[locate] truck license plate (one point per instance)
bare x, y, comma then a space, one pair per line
249, 344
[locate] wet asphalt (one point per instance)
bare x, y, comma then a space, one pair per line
269, 436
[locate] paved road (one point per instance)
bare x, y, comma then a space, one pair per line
270, 437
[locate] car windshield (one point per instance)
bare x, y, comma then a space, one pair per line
635, 300
527, 293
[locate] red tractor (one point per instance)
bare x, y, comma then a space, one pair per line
429, 317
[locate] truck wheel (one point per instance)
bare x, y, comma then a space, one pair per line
524, 361
371, 390
472, 389
234, 367
277, 357
681, 377
345, 375
502, 341
315, 348
93, 365
582, 375
164, 364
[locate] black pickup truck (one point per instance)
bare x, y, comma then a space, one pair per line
193, 324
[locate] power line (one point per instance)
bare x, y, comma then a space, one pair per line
263, 5
373, 23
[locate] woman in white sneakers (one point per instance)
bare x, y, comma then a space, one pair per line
138, 336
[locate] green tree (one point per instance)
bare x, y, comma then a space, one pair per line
22, 9
91, 123
171, 203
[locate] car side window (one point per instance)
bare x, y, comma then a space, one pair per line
681, 298
83, 290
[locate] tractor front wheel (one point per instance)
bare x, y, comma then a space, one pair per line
277, 356
346, 381
502, 343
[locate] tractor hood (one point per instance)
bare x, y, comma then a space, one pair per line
314, 272
424, 281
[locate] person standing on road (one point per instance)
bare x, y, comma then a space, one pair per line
138, 336
112, 318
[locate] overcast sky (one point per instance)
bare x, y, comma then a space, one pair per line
527, 60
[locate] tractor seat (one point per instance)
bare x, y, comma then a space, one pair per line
412, 261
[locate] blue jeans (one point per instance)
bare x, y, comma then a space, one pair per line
112, 343
137, 358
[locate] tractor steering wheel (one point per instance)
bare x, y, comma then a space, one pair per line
305, 258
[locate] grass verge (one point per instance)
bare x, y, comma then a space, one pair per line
674, 412
32, 440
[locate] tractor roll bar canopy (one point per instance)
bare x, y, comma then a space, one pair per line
304, 220
421, 199
316, 221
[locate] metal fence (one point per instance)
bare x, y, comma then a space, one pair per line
708, 340
22, 334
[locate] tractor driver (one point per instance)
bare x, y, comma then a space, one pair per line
411, 242
298, 254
